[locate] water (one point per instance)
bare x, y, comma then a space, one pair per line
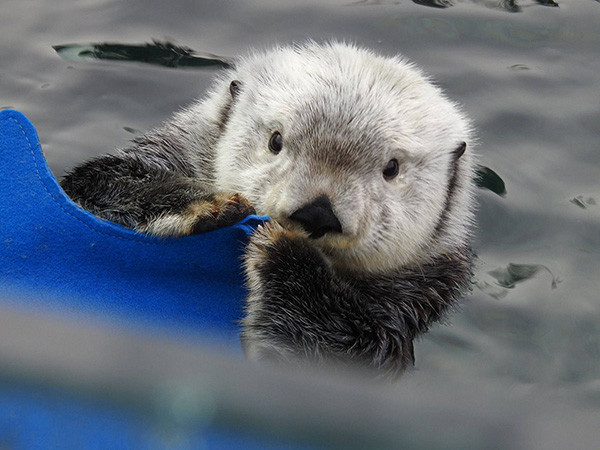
527, 72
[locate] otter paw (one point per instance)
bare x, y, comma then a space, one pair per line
218, 211
221, 211
285, 274
266, 242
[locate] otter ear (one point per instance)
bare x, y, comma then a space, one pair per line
234, 88
459, 151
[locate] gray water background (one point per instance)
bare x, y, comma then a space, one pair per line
529, 78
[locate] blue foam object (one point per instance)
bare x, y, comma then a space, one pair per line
56, 254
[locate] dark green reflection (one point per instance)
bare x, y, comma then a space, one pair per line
434, 3
582, 202
506, 5
156, 53
486, 178
506, 278
513, 274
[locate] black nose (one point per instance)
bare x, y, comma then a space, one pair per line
317, 217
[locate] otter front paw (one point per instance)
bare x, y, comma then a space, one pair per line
218, 211
285, 274
221, 211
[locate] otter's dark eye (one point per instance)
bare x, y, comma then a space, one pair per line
276, 142
391, 169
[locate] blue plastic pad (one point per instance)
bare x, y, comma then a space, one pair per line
55, 253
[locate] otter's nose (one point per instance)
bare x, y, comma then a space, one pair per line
317, 217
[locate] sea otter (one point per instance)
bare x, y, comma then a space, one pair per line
361, 163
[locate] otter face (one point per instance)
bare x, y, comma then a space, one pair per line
360, 152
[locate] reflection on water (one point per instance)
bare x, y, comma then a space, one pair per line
506, 5
516, 6
583, 202
511, 275
506, 278
488, 179
517, 273
434, 3
132, 131
158, 53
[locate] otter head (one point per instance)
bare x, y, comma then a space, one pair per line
359, 152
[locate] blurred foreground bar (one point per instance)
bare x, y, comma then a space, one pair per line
69, 383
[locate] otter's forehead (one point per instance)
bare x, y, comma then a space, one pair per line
326, 64
298, 72
341, 89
